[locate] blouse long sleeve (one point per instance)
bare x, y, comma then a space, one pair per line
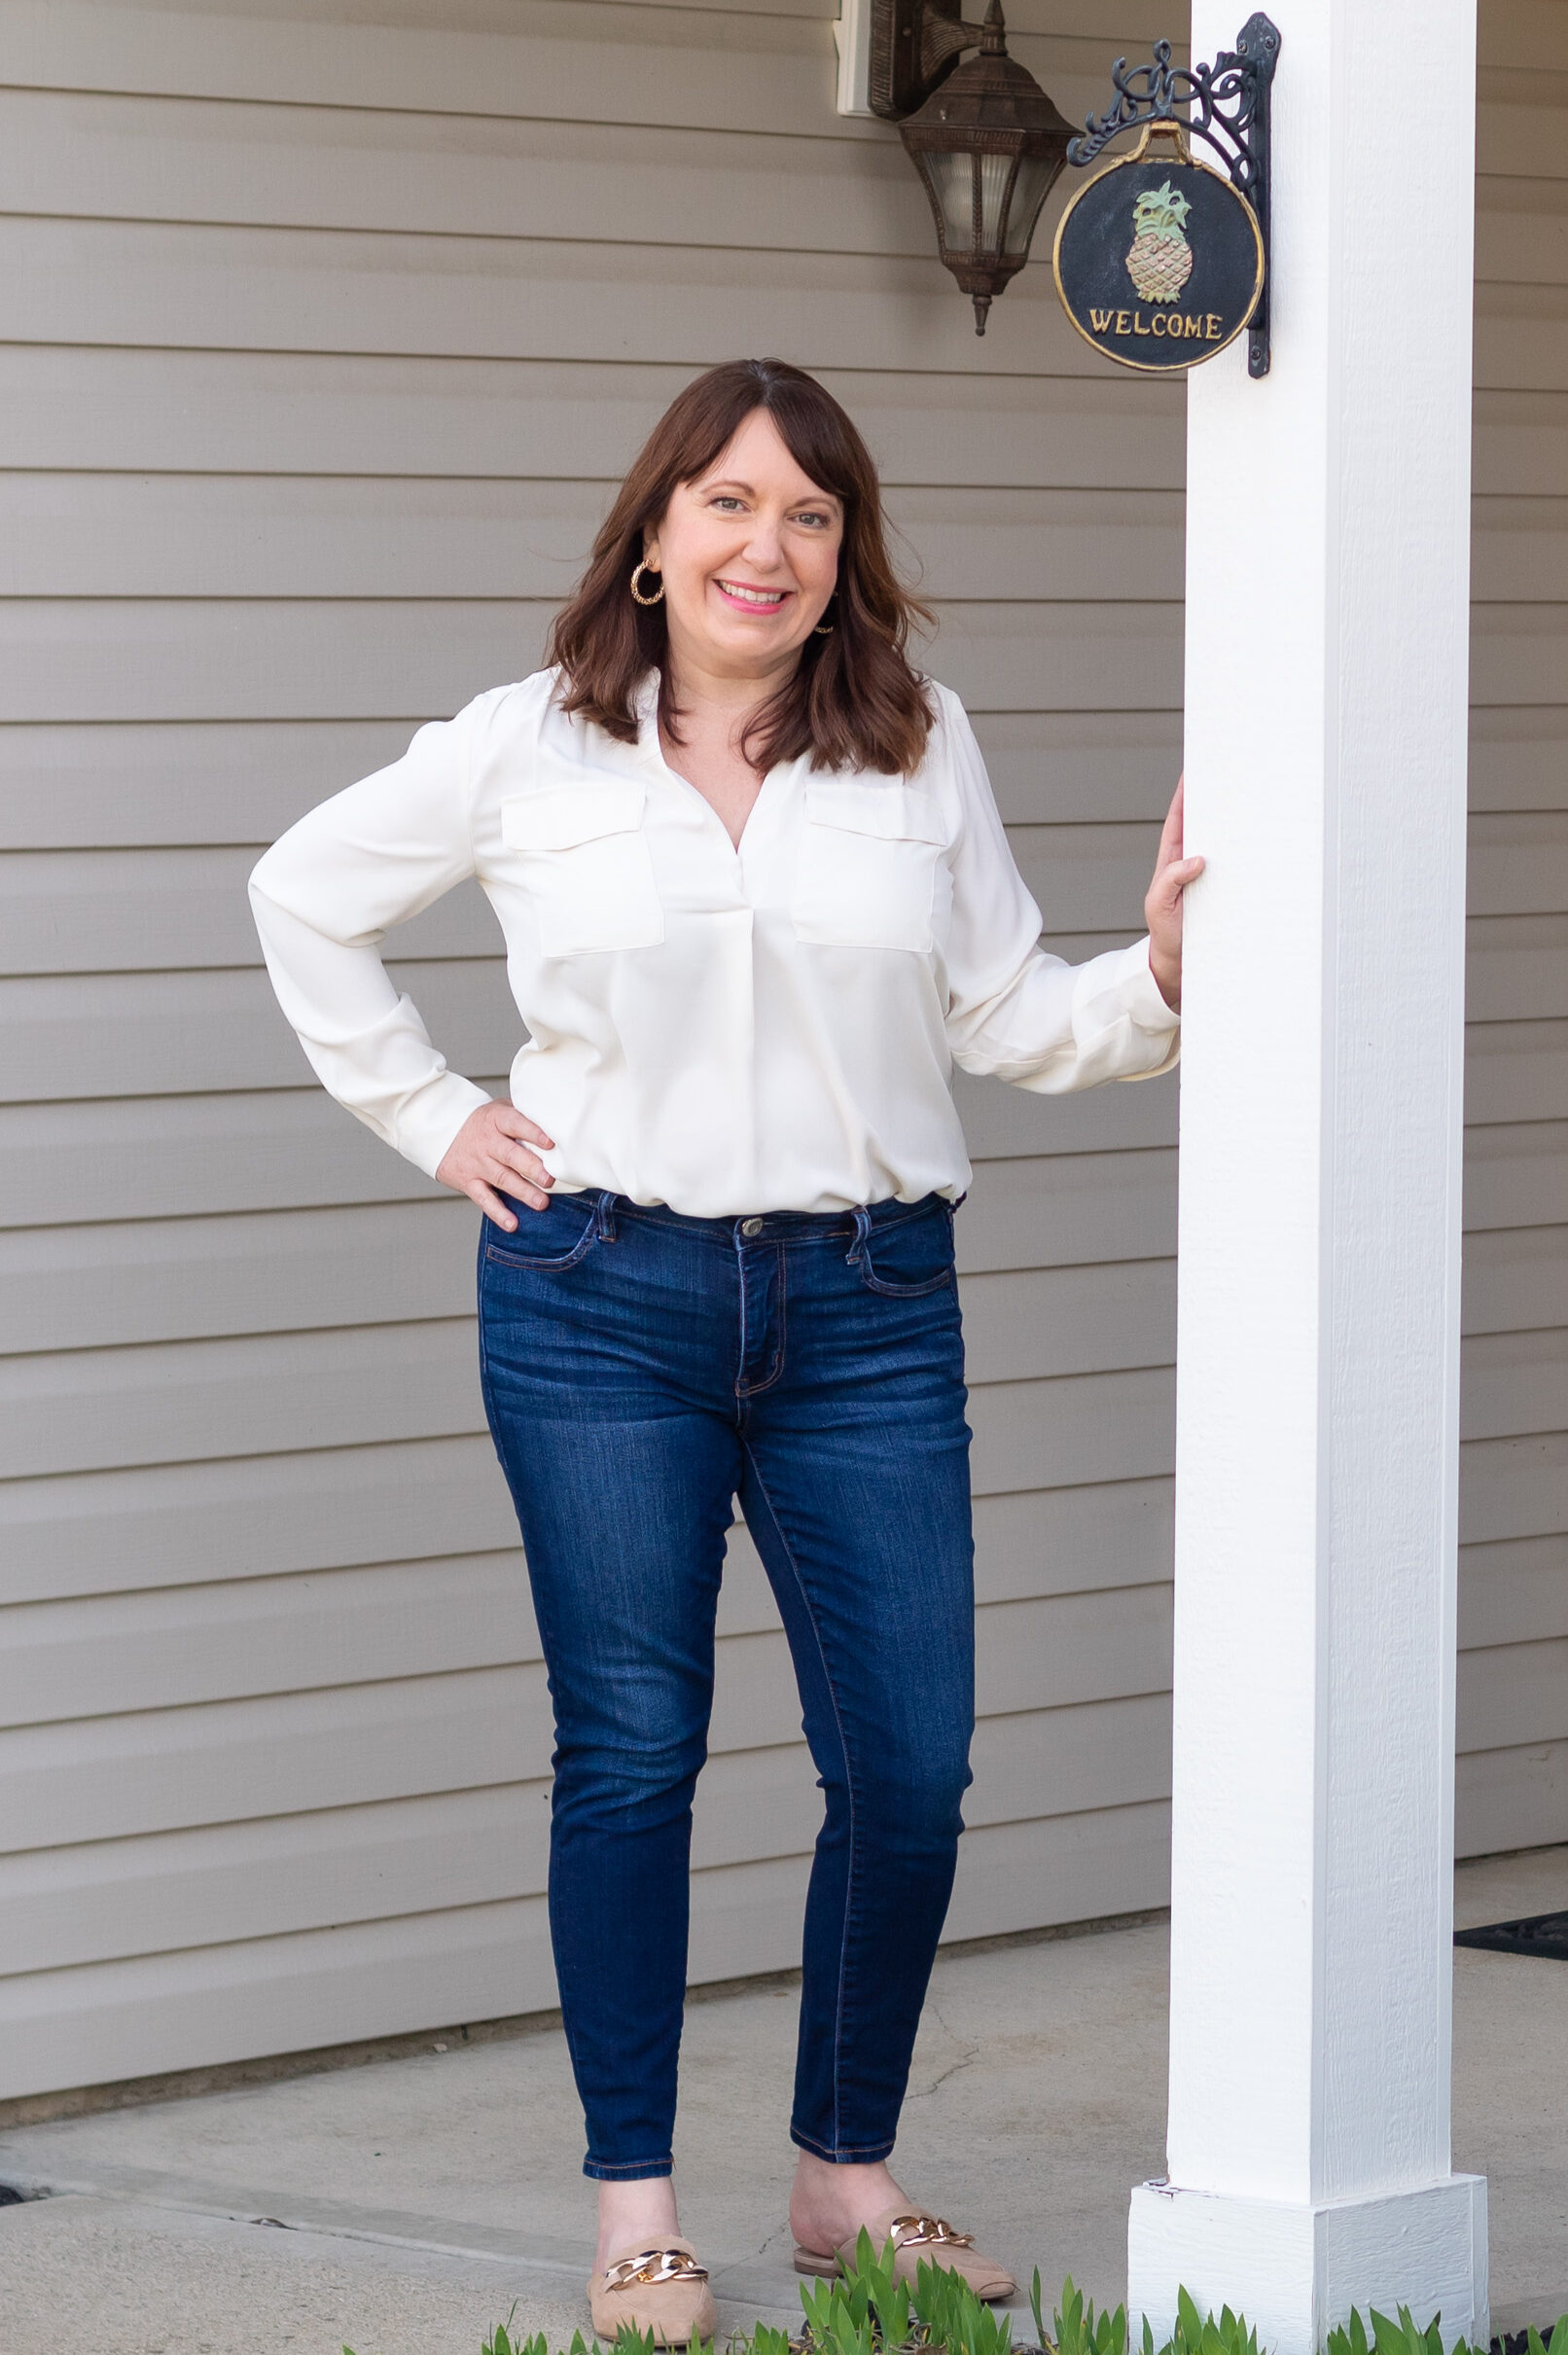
1015, 1011
324, 896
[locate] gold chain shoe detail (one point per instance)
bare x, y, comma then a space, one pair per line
922, 2232
652, 2265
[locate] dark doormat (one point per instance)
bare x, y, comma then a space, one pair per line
1536, 1934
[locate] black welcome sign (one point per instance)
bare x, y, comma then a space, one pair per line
1159, 260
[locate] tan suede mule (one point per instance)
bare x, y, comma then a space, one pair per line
661, 2289
917, 2239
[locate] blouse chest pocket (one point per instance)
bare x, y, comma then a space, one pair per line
867, 866
582, 859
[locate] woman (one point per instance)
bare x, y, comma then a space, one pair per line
757, 901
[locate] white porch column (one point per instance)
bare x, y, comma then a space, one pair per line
1328, 584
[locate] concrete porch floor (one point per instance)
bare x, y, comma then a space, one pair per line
403, 2206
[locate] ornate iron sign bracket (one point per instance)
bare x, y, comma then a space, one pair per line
1224, 104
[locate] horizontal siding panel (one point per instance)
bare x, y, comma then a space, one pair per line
108, 911
157, 1033
1070, 1540
161, 910
111, 1532
257, 536
1513, 1488
212, 1885
180, 1647
1519, 864
481, 298
246, 1757
1516, 1177
1521, 338
171, 1526
287, 1753
1516, 968
75, 155
1514, 1594
263, 1393
1519, 549
293, 1148
279, 1393
1513, 1072
1520, 443
1511, 1799
546, 59
1518, 1692
1071, 1867
180, 784
86, 408
1083, 1209
111, 1285
1516, 1280
1514, 1382
175, 1155
297, 658
138, 2018
1522, 231
1513, 138
1519, 759
204, 1887
1519, 654
1091, 1427
158, 911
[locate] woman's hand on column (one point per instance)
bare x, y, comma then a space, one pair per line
1162, 905
491, 1150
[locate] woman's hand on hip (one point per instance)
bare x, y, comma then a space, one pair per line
491, 1150
1162, 905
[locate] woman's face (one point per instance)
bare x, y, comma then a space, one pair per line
749, 553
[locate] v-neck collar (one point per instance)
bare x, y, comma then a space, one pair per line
645, 705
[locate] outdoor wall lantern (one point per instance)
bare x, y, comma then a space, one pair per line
984, 138
1159, 261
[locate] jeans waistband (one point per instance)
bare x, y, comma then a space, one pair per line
617, 1210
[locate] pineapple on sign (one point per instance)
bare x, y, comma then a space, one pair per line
1159, 260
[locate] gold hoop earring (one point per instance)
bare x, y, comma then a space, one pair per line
637, 572
824, 629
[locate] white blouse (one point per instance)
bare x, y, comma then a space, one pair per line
724, 1031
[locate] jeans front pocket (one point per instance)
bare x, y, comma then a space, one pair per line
564, 1232
909, 1258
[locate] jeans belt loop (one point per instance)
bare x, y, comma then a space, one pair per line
605, 1224
862, 1235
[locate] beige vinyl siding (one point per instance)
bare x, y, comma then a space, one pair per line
1513, 1789
327, 339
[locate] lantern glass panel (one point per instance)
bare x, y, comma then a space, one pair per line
952, 177
1036, 174
994, 173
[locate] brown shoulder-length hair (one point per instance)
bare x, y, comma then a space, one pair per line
853, 701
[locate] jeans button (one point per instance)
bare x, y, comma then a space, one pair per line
751, 1225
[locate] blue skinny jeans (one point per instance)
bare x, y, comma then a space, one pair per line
640, 1370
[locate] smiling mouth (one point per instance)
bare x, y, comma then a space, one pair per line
756, 600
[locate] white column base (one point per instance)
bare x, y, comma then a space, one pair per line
1297, 2271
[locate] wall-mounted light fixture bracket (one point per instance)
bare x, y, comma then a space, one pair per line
914, 45
1226, 104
